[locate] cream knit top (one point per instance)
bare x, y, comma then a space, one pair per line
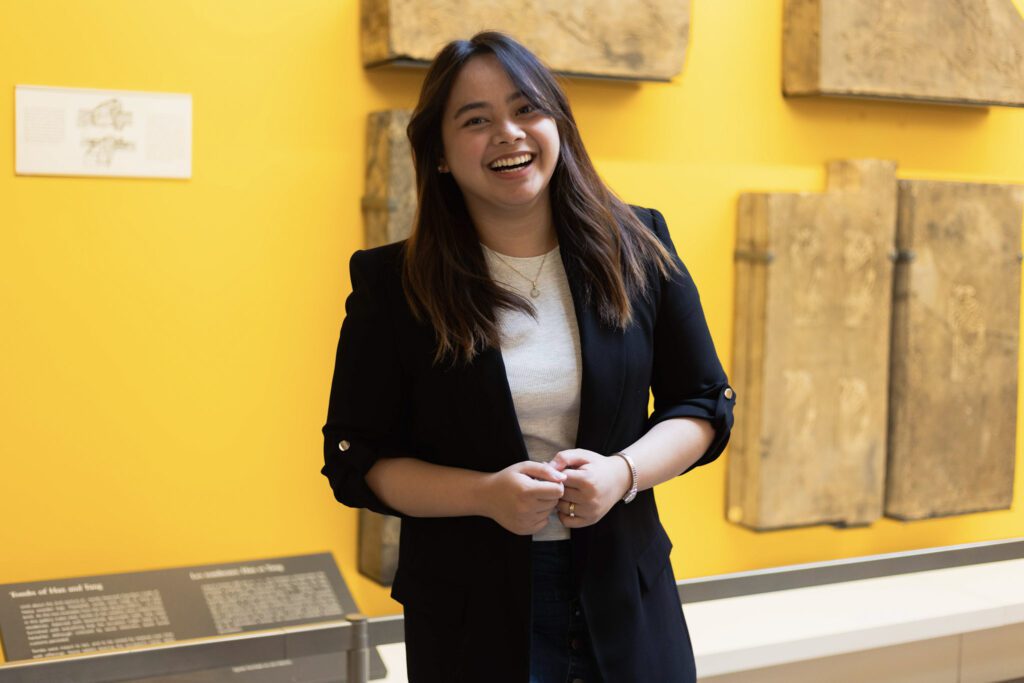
542, 360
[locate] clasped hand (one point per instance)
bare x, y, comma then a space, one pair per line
524, 494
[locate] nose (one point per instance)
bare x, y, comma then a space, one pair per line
508, 132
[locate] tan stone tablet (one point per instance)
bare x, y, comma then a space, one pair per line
389, 205
378, 546
956, 307
643, 40
963, 52
811, 354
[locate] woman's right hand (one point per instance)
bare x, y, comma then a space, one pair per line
521, 496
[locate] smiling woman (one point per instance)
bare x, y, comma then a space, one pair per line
484, 100
491, 389
501, 150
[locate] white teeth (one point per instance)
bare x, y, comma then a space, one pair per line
512, 161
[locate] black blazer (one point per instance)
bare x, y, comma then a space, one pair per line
467, 579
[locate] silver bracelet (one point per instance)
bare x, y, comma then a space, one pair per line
632, 468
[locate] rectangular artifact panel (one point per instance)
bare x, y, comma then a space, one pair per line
389, 209
389, 205
107, 133
956, 305
643, 40
73, 616
378, 546
964, 52
814, 277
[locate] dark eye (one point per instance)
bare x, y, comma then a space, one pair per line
527, 109
473, 121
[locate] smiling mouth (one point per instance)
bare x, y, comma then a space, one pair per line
512, 164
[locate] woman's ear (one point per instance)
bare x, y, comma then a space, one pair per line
442, 166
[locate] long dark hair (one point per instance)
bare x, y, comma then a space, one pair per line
445, 273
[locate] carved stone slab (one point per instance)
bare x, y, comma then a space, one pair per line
389, 208
389, 205
962, 51
643, 40
811, 356
956, 309
378, 546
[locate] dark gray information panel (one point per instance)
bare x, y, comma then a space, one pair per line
72, 616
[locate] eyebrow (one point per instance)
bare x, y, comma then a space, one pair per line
483, 105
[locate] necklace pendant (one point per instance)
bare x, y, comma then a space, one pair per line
535, 292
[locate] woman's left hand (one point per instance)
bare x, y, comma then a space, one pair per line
593, 484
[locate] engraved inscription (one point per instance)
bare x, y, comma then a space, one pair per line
854, 417
967, 324
860, 277
806, 254
800, 404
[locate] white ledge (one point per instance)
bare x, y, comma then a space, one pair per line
766, 629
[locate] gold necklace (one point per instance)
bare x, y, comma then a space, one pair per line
534, 292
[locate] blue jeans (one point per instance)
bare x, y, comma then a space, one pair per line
560, 650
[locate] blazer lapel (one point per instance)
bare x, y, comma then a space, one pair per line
601, 347
490, 369
603, 376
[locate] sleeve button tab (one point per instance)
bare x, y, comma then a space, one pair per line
729, 392
343, 445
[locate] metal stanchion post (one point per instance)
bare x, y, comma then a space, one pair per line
359, 652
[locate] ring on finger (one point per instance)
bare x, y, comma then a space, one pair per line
572, 509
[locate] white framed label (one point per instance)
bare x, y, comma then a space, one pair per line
86, 132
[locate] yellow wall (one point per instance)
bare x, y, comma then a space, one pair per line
167, 346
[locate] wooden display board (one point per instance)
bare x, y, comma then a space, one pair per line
606, 38
811, 358
956, 309
964, 52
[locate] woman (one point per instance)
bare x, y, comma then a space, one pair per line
491, 389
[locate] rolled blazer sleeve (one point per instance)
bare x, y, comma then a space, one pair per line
688, 379
364, 415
